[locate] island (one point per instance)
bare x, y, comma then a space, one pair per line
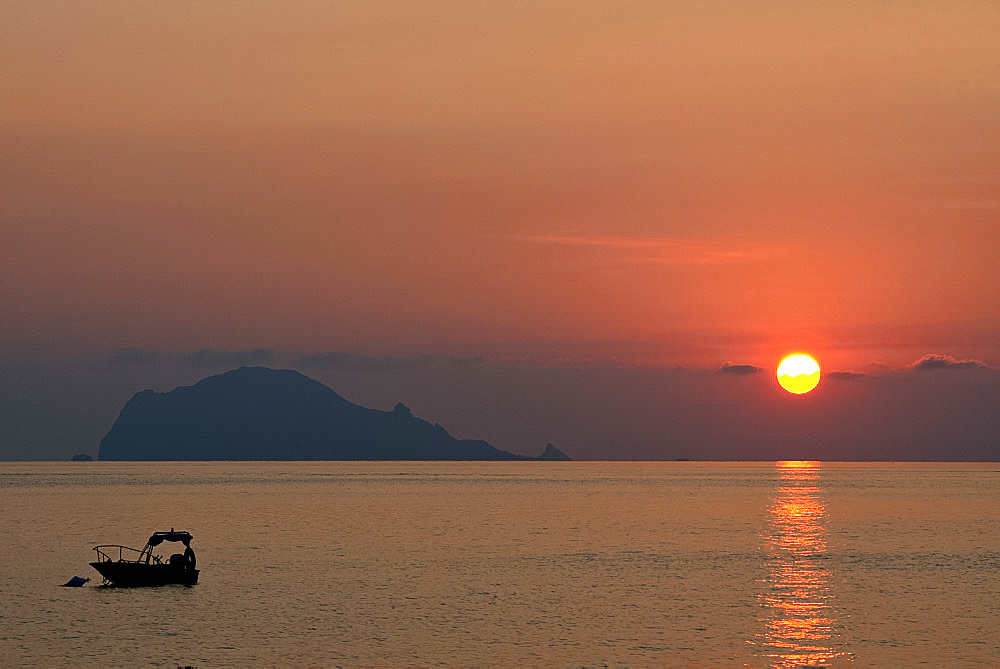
258, 413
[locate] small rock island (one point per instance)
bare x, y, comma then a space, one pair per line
257, 413
554, 454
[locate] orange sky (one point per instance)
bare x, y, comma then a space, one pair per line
650, 183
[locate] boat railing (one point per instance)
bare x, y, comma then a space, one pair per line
106, 553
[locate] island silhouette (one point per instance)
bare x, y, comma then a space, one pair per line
258, 413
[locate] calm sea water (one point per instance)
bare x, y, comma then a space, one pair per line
555, 564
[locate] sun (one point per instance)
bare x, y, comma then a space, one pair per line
798, 373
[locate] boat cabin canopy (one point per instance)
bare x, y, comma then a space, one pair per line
159, 537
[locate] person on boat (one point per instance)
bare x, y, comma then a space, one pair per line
189, 558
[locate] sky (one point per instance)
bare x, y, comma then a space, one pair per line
609, 201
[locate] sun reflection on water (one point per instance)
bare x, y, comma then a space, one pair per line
798, 617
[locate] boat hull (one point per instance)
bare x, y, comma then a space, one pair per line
138, 574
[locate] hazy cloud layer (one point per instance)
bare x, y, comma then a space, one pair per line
731, 368
327, 360
205, 357
937, 361
208, 357
132, 356
345, 361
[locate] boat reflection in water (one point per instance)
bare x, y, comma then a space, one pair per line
798, 617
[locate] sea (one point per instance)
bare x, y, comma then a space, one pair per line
575, 564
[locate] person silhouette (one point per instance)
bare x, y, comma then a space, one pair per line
189, 559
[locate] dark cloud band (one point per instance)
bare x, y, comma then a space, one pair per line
937, 361
846, 375
730, 368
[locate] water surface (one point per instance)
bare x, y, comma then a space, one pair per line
565, 564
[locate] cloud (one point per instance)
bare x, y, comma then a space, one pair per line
208, 357
661, 250
936, 361
846, 375
131, 356
344, 361
730, 368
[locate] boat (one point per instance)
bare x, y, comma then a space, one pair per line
130, 567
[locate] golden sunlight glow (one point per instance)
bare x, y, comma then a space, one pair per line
798, 373
798, 619
797, 464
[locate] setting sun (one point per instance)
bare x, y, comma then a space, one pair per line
798, 373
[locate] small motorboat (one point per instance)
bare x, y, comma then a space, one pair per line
124, 566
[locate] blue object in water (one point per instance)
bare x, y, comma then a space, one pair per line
75, 582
